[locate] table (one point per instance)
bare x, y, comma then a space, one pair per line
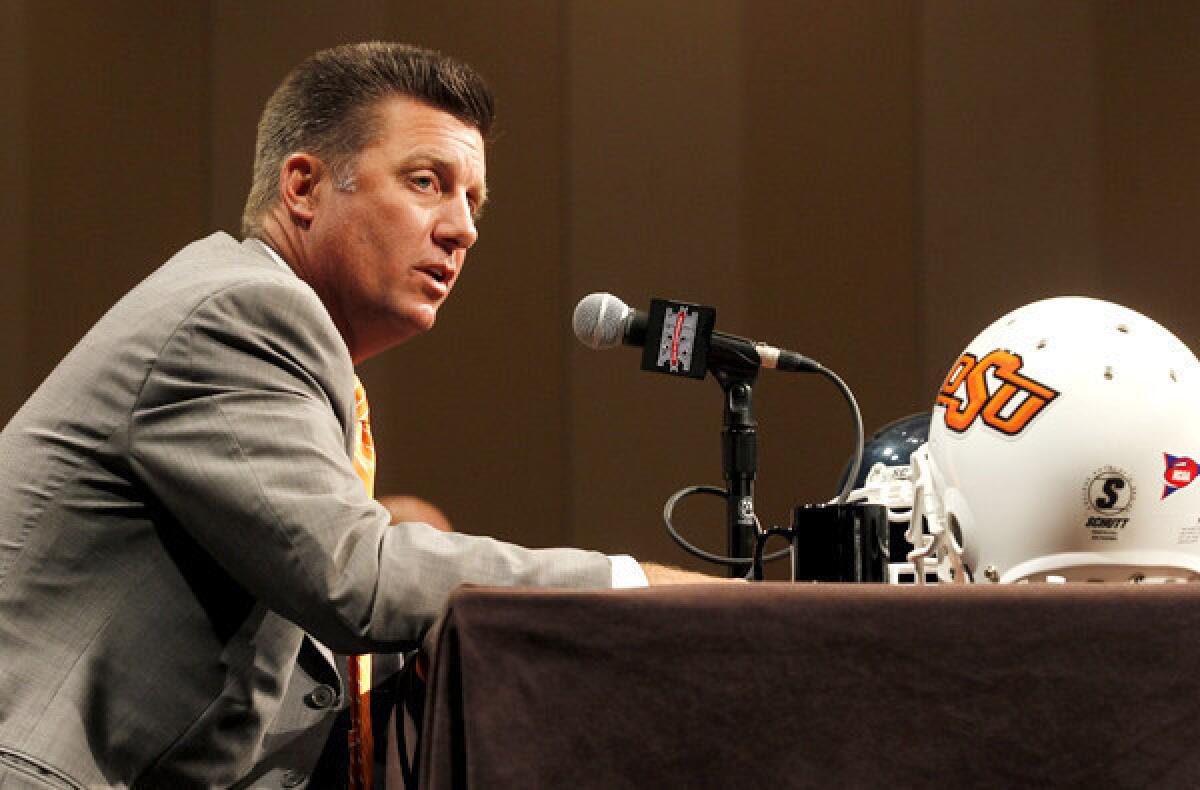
805, 685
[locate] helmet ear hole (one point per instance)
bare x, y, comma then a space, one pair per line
955, 532
954, 529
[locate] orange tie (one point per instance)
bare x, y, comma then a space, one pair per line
361, 742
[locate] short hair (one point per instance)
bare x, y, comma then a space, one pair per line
328, 106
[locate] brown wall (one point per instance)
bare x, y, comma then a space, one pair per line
867, 181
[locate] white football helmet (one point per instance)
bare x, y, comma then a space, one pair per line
1062, 448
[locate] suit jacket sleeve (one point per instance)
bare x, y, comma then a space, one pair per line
242, 431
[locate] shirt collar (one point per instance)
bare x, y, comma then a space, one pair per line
274, 255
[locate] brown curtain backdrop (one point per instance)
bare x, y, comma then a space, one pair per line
868, 181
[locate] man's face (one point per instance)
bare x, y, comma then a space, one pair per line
385, 251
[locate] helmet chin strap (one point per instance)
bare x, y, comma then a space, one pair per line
927, 527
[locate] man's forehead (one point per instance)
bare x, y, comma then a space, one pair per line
417, 131
423, 126
450, 153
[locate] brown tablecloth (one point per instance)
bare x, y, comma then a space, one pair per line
779, 685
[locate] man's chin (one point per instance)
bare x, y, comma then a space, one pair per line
414, 321
391, 332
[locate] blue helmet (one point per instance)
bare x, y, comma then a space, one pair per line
891, 445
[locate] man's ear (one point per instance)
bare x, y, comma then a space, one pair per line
298, 178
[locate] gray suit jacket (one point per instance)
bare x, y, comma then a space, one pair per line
177, 510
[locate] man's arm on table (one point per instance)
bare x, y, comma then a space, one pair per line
626, 571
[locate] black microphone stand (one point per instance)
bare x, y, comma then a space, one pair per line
739, 457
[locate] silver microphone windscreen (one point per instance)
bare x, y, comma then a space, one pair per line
600, 320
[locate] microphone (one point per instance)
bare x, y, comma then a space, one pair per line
603, 321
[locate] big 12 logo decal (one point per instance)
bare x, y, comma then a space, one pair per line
978, 401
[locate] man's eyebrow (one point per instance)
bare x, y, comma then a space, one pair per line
438, 161
432, 155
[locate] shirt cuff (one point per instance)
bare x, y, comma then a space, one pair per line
626, 572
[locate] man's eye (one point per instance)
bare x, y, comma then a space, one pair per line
424, 183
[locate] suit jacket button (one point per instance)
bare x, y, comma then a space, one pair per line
293, 778
321, 697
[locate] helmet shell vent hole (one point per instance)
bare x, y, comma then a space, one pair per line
1173, 376
1042, 344
1123, 328
1108, 372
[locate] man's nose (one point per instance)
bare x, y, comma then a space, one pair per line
455, 228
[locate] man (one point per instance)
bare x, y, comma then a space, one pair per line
410, 508
186, 531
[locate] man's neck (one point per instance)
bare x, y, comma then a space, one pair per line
281, 243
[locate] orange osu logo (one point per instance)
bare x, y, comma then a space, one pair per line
1003, 407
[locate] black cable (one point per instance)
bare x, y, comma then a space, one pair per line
859, 439
763, 536
719, 559
847, 486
